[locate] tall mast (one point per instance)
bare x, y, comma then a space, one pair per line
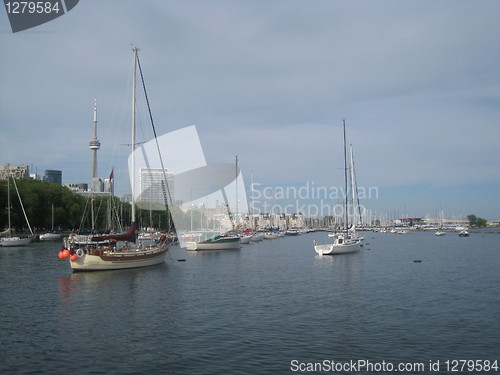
252, 203
8, 196
355, 197
134, 50
236, 190
353, 189
345, 181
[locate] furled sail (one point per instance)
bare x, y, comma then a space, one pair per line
129, 235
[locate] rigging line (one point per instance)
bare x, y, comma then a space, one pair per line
169, 200
22, 206
357, 194
84, 215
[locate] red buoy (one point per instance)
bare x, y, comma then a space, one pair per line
60, 255
65, 253
73, 257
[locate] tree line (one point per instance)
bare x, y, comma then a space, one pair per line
71, 212
476, 222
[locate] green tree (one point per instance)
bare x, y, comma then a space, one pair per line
476, 222
480, 223
71, 211
38, 198
472, 220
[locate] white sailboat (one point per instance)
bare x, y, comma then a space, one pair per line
216, 243
245, 238
228, 241
257, 236
14, 241
51, 236
463, 233
440, 232
115, 251
270, 235
347, 241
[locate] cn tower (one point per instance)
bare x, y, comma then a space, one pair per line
94, 144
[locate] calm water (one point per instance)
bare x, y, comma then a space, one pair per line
254, 310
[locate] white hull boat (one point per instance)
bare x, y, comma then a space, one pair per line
108, 259
246, 239
332, 249
116, 251
270, 236
347, 241
15, 241
339, 246
258, 236
50, 237
217, 243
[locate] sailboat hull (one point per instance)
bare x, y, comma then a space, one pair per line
245, 239
221, 243
14, 241
50, 237
334, 249
258, 236
102, 261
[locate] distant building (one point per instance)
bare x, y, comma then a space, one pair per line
20, 171
77, 187
101, 185
410, 221
53, 176
152, 187
97, 185
274, 220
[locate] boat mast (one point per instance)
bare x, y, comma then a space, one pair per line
252, 203
52, 217
8, 198
92, 212
345, 181
236, 190
355, 195
353, 191
134, 50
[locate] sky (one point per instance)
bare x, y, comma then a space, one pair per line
418, 83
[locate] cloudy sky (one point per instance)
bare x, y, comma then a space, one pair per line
418, 83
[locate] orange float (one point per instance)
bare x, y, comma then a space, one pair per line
73, 257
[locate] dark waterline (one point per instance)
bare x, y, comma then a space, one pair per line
254, 310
